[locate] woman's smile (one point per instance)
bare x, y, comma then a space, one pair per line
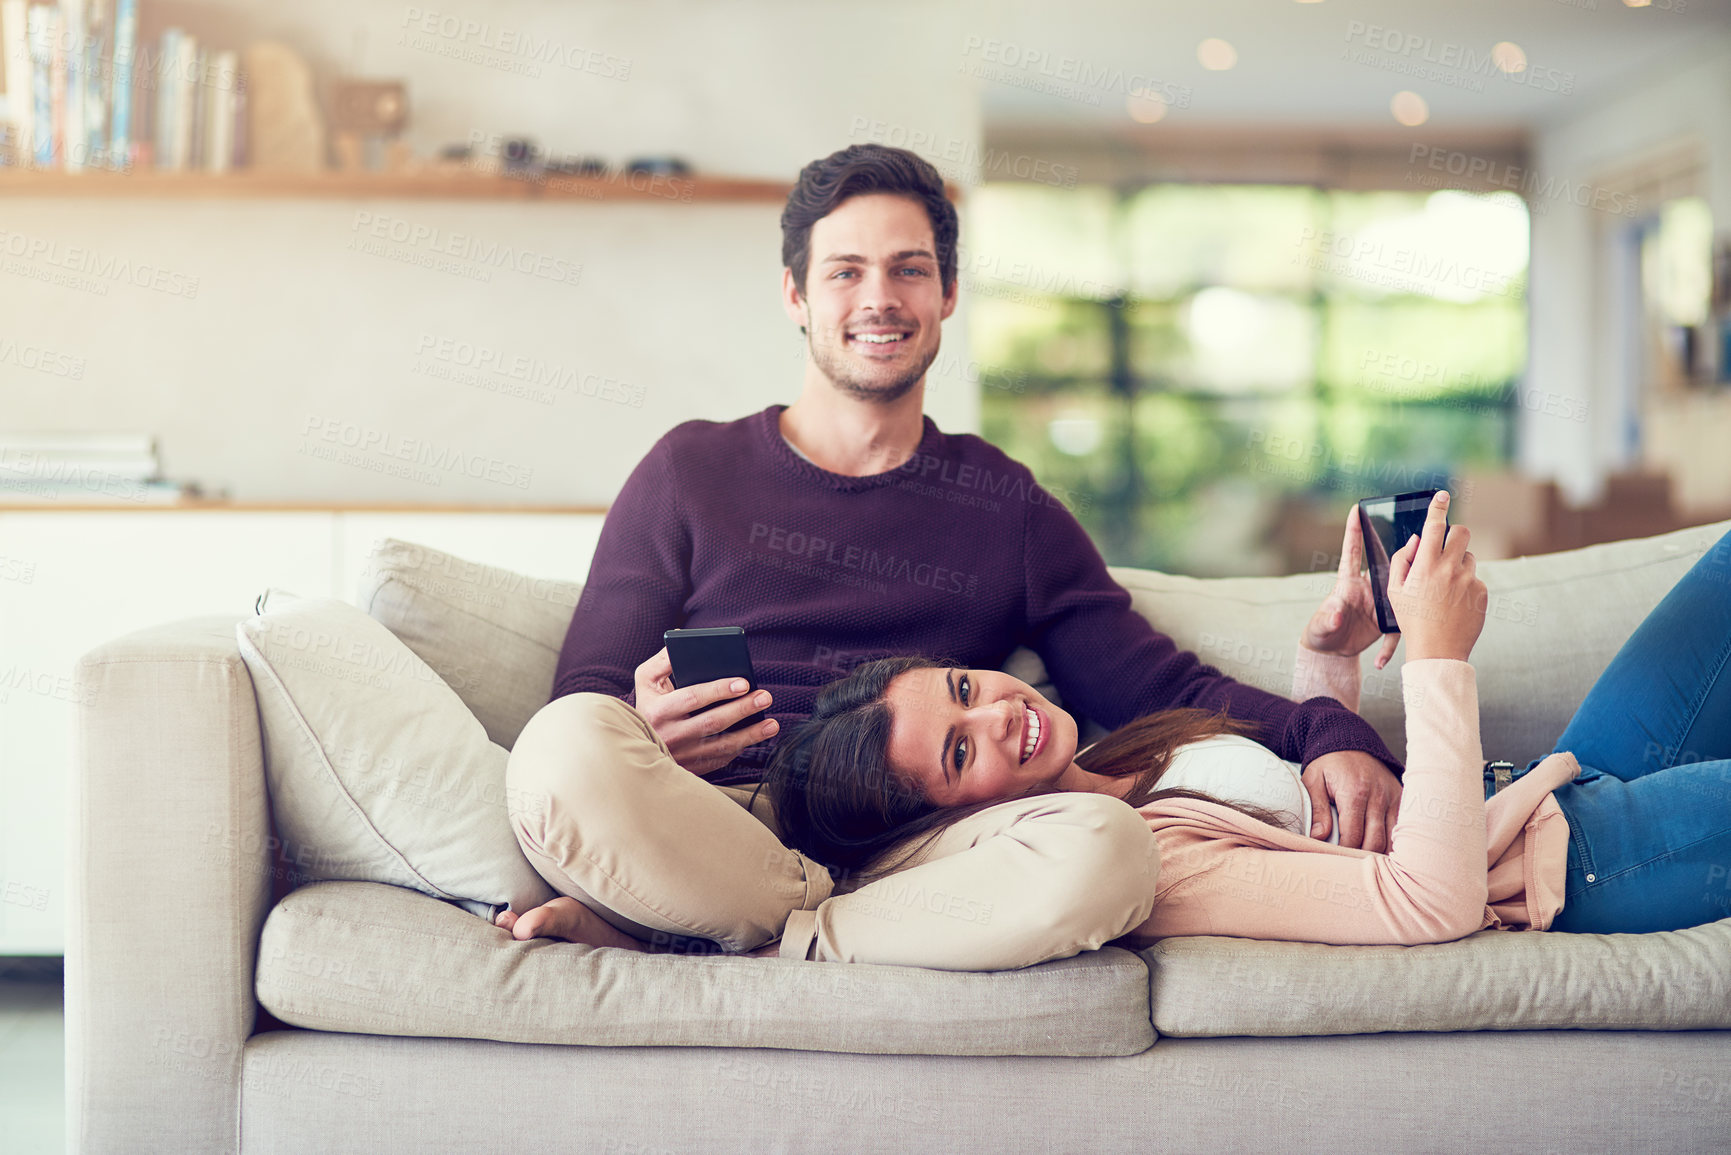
971, 735
1035, 731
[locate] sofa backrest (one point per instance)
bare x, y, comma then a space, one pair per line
1553, 624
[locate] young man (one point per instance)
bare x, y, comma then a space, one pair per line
847, 526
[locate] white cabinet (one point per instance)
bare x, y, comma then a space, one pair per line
70, 581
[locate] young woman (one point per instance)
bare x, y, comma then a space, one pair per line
1626, 828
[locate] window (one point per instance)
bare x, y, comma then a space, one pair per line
1182, 363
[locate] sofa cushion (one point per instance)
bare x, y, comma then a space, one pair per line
493, 635
1495, 980
382, 960
377, 770
1552, 626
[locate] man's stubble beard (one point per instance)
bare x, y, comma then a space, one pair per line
830, 364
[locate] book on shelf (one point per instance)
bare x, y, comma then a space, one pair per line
69, 122
198, 97
20, 100
97, 78
43, 26
242, 138
83, 91
185, 87
219, 119
91, 489
120, 122
164, 92
82, 468
47, 457
118, 444
32, 463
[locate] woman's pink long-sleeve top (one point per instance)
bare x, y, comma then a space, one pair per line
1457, 863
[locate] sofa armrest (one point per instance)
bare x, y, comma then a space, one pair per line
169, 864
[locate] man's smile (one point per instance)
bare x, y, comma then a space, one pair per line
879, 340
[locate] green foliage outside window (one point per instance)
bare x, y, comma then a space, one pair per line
1182, 362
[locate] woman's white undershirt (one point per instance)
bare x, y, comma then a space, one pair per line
1233, 768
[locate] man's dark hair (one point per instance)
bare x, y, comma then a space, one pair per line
854, 171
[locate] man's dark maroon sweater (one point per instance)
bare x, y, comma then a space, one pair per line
958, 555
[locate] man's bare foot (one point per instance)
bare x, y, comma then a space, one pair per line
568, 919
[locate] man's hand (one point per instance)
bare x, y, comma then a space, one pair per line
696, 740
1345, 623
1366, 793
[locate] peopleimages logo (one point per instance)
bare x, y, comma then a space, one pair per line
811, 550
1373, 261
428, 243
461, 38
1024, 274
952, 155
531, 371
365, 447
97, 269
1068, 76
40, 359
1538, 190
962, 478
1445, 61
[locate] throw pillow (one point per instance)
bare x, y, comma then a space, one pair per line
377, 770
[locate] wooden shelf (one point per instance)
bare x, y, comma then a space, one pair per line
432, 184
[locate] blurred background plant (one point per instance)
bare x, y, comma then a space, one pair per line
1185, 363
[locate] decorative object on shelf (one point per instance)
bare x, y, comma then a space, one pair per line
284, 129
660, 166
576, 166
466, 158
366, 117
519, 153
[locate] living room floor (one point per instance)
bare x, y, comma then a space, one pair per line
32, 1057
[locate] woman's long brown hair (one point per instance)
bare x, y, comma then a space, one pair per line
837, 800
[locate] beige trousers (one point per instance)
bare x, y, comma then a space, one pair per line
607, 817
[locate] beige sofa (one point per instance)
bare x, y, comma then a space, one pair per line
212, 1005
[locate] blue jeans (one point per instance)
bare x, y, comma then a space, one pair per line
1650, 812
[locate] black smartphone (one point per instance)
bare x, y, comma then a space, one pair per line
1387, 524
705, 655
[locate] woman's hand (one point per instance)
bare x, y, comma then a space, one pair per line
1345, 623
1434, 587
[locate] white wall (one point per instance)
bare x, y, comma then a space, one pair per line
293, 328
1573, 353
